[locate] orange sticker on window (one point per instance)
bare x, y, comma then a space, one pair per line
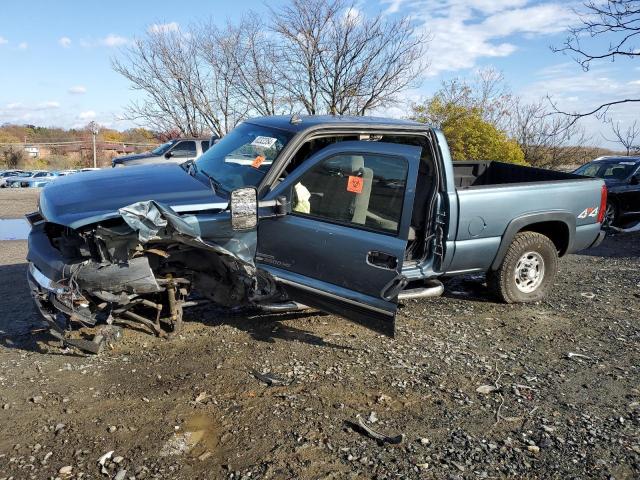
355, 184
258, 161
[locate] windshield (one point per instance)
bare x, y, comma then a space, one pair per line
161, 150
243, 156
618, 170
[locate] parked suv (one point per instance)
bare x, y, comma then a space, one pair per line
174, 151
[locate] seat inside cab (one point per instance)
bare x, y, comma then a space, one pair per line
323, 191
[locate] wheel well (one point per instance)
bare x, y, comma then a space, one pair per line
556, 231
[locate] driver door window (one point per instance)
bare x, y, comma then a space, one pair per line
359, 190
186, 149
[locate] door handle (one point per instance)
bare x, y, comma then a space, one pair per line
382, 260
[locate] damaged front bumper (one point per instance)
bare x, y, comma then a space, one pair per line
42, 290
141, 268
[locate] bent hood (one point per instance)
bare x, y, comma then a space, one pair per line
88, 197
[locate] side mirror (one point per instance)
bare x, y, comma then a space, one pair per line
168, 155
244, 208
635, 180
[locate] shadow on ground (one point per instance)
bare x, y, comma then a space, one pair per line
21, 327
264, 327
617, 245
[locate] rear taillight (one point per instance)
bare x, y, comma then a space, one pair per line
603, 204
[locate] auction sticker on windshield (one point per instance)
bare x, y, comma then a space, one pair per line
265, 142
259, 160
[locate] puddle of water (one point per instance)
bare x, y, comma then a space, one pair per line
14, 229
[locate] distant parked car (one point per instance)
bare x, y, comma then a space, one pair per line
38, 177
6, 180
9, 173
175, 151
39, 181
622, 177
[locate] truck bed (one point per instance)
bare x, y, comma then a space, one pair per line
483, 174
491, 195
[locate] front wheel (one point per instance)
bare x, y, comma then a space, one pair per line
527, 270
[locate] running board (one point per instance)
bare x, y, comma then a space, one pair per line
435, 289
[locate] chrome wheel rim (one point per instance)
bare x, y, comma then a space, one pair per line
609, 216
529, 272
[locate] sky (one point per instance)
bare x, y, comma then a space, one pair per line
55, 57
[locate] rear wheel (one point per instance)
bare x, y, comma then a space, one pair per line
527, 270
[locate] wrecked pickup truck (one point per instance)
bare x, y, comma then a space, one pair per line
347, 215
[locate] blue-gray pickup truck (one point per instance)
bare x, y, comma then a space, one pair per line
348, 215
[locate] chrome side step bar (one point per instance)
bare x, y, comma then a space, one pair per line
434, 288
282, 307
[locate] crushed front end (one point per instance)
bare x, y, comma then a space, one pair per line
140, 267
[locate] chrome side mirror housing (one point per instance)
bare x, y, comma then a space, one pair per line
244, 208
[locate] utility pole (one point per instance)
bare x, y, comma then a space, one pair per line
93, 126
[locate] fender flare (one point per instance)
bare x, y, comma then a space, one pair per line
517, 224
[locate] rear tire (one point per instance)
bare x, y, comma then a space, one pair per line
527, 271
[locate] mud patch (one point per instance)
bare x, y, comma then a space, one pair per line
199, 434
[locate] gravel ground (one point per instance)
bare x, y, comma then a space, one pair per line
478, 389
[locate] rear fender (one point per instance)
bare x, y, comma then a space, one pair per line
525, 221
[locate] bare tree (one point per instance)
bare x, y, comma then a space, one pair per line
628, 137
318, 56
258, 73
334, 59
617, 24
216, 50
547, 140
164, 65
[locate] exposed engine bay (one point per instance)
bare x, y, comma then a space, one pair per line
143, 267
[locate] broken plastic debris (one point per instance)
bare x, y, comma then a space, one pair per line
486, 389
577, 355
269, 378
201, 396
103, 459
362, 427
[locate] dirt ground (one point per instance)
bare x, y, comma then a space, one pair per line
559, 392
15, 202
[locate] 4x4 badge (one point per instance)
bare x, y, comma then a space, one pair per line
589, 212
